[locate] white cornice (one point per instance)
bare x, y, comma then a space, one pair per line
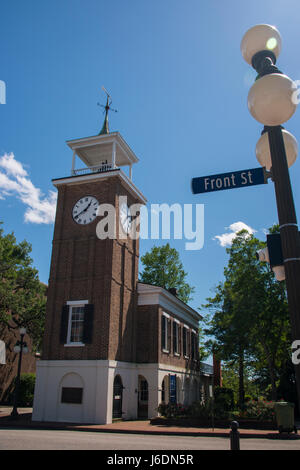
91, 177
153, 295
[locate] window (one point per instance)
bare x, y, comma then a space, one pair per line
143, 390
71, 395
185, 341
175, 337
76, 322
76, 326
164, 333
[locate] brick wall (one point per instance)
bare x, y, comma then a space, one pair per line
104, 272
149, 347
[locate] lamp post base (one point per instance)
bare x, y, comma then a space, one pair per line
14, 414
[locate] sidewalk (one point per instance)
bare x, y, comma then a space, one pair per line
132, 427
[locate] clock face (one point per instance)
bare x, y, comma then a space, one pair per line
85, 210
125, 218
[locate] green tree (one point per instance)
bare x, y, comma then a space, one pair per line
22, 295
162, 267
250, 320
230, 379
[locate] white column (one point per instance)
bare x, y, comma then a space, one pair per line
114, 155
73, 163
130, 172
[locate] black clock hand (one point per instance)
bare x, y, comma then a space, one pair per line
84, 210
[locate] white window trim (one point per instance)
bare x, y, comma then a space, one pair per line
74, 303
77, 303
167, 317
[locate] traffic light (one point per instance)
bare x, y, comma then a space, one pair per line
273, 254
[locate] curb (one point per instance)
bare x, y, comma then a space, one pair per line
91, 428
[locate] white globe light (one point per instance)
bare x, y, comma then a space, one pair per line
263, 154
261, 37
270, 99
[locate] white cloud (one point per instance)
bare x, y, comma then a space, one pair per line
14, 181
226, 239
12, 166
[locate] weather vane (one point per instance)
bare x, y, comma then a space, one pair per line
105, 128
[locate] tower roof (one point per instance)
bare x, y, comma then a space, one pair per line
93, 150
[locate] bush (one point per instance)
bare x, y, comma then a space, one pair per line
200, 410
196, 410
172, 410
257, 409
26, 390
224, 400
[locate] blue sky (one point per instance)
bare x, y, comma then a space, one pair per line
177, 77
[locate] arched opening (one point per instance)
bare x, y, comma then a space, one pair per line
186, 391
143, 397
117, 397
165, 389
194, 391
70, 398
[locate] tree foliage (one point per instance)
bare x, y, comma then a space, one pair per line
22, 295
163, 268
250, 321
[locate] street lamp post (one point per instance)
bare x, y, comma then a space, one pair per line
270, 102
20, 347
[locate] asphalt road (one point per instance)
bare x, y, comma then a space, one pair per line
28, 439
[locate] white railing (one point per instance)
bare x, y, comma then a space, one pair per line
93, 169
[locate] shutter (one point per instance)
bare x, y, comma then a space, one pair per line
184, 341
174, 337
180, 339
64, 324
193, 345
169, 335
163, 333
87, 336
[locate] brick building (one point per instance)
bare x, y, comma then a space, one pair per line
113, 347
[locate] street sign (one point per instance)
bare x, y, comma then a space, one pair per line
235, 179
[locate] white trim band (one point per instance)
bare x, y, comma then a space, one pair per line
288, 225
77, 302
291, 259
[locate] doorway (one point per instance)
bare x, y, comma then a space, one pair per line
117, 397
143, 397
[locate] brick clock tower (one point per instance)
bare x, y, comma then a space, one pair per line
92, 296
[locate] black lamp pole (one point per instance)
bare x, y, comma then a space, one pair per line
21, 343
289, 233
264, 63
